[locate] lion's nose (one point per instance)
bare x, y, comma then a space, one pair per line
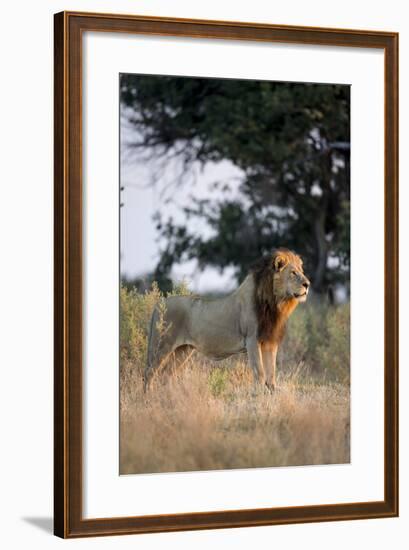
306, 284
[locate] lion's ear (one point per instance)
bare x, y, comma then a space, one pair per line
280, 262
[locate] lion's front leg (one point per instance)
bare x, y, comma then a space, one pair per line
269, 355
255, 360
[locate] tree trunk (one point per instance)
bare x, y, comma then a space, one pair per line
319, 225
322, 250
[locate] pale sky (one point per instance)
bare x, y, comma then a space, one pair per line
139, 246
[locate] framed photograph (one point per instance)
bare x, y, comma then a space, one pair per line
226, 274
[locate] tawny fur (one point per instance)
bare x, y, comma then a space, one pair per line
252, 319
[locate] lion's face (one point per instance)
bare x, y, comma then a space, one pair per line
289, 278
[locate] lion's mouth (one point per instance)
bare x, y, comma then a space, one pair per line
301, 296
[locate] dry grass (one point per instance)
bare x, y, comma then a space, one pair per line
194, 421
208, 417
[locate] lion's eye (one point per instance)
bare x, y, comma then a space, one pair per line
293, 273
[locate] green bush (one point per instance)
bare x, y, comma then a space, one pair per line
318, 335
218, 379
135, 314
334, 351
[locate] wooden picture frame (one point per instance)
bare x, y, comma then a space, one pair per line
68, 263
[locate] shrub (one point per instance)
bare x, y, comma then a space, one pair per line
333, 353
217, 380
135, 314
318, 337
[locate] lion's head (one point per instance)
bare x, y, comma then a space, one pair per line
289, 280
280, 284
280, 277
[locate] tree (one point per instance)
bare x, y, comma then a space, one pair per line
291, 142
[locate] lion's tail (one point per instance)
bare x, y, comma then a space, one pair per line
147, 375
151, 338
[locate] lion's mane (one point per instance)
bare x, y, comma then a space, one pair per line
272, 314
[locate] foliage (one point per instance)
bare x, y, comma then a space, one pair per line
218, 378
135, 314
318, 342
291, 143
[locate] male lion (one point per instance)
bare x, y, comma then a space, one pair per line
251, 319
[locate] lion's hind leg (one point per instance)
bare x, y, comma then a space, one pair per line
166, 343
177, 360
158, 364
168, 363
159, 350
160, 357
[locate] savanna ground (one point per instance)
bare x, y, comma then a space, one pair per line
207, 416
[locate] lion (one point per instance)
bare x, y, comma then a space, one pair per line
250, 320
